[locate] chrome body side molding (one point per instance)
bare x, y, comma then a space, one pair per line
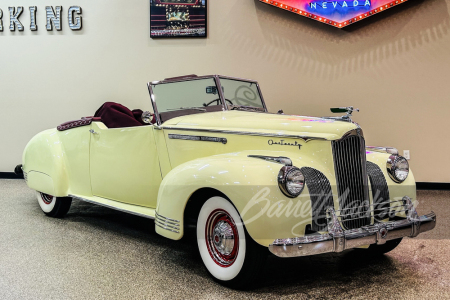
112, 207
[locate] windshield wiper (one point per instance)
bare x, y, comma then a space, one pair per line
244, 107
193, 108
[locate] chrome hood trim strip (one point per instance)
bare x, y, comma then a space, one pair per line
305, 138
198, 138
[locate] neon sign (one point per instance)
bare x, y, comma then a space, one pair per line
332, 6
337, 13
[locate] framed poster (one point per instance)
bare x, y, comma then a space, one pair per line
178, 18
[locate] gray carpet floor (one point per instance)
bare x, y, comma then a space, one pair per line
98, 253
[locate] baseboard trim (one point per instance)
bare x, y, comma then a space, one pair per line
441, 186
10, 175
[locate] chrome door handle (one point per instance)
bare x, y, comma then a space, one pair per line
93, 131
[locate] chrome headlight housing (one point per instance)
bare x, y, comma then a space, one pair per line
291, 181
398, 168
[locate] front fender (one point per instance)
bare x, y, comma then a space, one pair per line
396, 190
250, 184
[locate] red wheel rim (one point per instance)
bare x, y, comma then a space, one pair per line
46, 198
222, 238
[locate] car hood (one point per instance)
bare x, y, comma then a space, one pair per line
265, 123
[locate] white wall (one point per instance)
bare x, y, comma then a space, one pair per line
394, 67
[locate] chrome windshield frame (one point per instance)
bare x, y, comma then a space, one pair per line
195, 77
246, 80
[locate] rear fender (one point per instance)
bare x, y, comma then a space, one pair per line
43, 164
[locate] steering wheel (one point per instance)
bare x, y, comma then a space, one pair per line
216, 100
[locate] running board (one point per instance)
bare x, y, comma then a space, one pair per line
140, 211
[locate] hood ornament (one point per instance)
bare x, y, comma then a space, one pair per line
349, 110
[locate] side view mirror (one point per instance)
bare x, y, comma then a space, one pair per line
147, 117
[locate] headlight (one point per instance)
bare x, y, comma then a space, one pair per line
291, 181
398, 168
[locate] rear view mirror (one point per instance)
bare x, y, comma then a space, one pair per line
212, 90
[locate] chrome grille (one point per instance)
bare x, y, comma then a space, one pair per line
351, 178
321, 197
395, 207
380, 192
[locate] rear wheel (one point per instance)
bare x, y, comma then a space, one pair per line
228, 252
56, 207
375, 249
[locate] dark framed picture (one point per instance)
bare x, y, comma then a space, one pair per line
178, 18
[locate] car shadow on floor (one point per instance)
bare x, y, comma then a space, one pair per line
337, 272
134, 228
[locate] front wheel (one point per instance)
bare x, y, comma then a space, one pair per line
56, 207
228, 252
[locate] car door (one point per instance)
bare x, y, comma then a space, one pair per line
124, 164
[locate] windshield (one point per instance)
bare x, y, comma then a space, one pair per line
239, 93
194, 94
176, 97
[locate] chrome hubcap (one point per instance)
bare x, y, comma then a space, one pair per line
222, 238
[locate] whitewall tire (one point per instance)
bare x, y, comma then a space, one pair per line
228, 252
53, 206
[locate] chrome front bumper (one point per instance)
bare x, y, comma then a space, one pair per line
337, 239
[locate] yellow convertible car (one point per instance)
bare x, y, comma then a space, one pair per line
211, 157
